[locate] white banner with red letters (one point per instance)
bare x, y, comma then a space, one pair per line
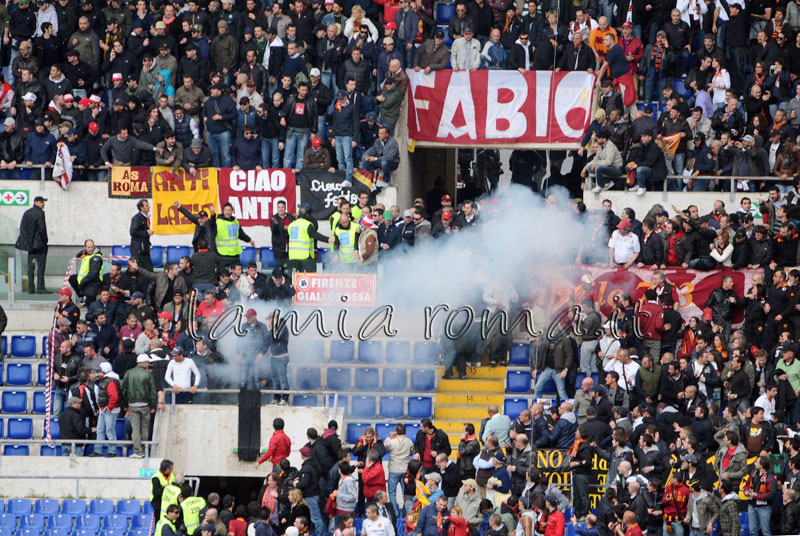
536, 109
254, 194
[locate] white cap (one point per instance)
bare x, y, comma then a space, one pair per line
143, 358
314, 72
292, 531
95, 98
105, 368
29, 96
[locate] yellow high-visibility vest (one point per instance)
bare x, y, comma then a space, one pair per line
347, 243
227, 238
86, 260
301, 245
191, 513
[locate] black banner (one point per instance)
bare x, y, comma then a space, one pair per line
321, 189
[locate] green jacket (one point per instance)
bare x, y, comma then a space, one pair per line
651, 380
138, 385
729, 516
390, 108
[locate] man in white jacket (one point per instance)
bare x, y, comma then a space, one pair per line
465, 54
606, 163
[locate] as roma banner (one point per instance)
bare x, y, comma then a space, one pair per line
321, 189
255, 194
125, 182
193, 192
540, 108
334, 290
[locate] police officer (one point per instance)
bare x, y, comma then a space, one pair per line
163, 478
344, 242
228, 234
302, 237
166, 525
87, 281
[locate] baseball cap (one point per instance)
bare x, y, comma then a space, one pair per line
160, 25
277, 272
164, 46
389, 80
446, 198
314, 72
198, 28
176, 351
105, 368
95, 98
747, 217
436, 477
597, 389
143, 358
68, 97
222, 24
248, 30
627, 25
63, 321
390, 26
388, 41
136, 295
72, 131
29, 96
468, 29
250, 312
372, 116
408, 213
447, 215
624, 224
197, 143
342, 94
65, 292
116, 76
708, 313
779, 372
748, 138
305, 451
689, 458
165, 314
93, 127
316, 141
210, 528
439, 34
9, 122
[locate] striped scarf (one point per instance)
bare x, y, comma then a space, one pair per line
657, 55
776, 29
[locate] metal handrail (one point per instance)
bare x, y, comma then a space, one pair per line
191, 479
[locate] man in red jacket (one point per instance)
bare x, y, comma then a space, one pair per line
650, 324
279, 446
372, 476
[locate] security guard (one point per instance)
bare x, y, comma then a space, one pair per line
342, 207
344, 241
228, 234
171, 494
87, 281
166, 525
163, 478
190, 510
302, 237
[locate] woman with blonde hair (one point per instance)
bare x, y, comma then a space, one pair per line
297, 508
358, 18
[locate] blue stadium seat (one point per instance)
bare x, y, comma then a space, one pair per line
18, 374
47, 507
50, 450
55, 429
2, 430
174, 253
518, 381
73, 507
514, 406
395, 379
425, 352
147, 508
85, 532
308, 379
20, 428
579, 377
41, 374
23, 346
44, 346
423, 380
398, 352
120, 424
8, 522
56, 532
60, 522
355, 430
101, 507
138, 532
1, 373
113, 532
568, 513
88, 522
115, 522
368, 379
14, 402
267, 258
16, 450
19, 507
309, 351
39, 402
420, 407
304, 400
383, 429
157, 256
32, 522
342, 351
519, 355
247, 256
362, 407
3, 345
121, 251
339, 379
448, 39
677, 85
370, 352
392, 407
142, 521
129, 507
445, 11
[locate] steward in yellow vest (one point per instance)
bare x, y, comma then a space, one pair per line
87, 281
228, 233
166, 525
163, 478
303, 236
345, 242
190, 510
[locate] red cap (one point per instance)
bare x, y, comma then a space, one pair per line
390, 26
165, 314
316, 141
708, 313
65, 292
447, 215
624, 224
84, 101
250, 312
305, 451
446, 197
627, 25
93, 126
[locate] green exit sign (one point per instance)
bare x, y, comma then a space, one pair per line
145, 472
14, 198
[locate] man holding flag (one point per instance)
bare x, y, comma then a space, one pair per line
675, 132
617, 67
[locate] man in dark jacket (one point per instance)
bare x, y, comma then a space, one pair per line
278, 226
308, 482
33, 239
346, 134
650, 164
521, 53
87, 281
73, 426
277, 288
578, 57
430, 441
246, 150
581, 466
202, 227
723, 301
140, 235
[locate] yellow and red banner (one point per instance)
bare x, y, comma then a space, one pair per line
193, 192
671, 143
334, 290
126, 181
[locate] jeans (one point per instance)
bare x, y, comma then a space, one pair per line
385, 166
606, 9
394, 480
40, 260
320, 529
759, 516
602, 171
66, 450
220, 146
296, 142
546, 375
140, 427
322, 128
107, 429
344, 155
653, 81
643, 174
270, 153
329, 79
94, 175
678, 164
280, 379
677, 528
580, 494
59, 400
203, 287
588, 354
249, 368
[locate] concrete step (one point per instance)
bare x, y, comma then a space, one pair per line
459, 412
455, 426
463, 399
472, 386
482, 373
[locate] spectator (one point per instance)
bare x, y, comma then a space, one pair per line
317, 157
466, 52
219, 114
33, 239
384, 155
432, 55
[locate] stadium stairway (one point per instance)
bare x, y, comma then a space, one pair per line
462, 401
